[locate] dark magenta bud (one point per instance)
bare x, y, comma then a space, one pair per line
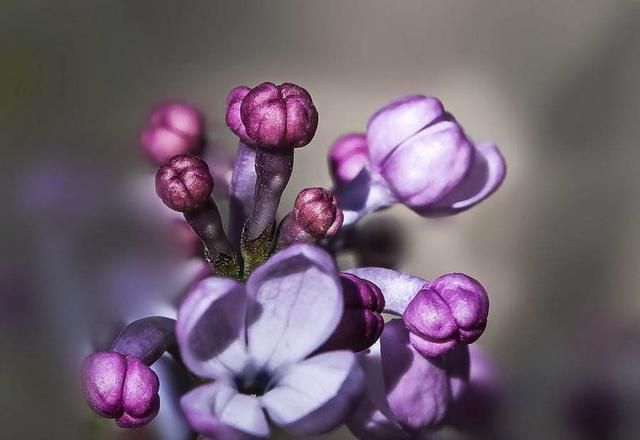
274, 117
362, 322
348, 156
184, 183
452, 309
121, 387
173, 128
318, 213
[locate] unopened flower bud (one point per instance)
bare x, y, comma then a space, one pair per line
121, 387
348, 156
274, 117
362, 323
184, 183
452, 309
317, 212
316, 215
173, 128
427, 160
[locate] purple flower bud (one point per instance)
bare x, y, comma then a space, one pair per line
275, 117
428, 161
362, 323
348, 156
121, 387
452, 309
173, 128
317, 212
233, 119
184, 182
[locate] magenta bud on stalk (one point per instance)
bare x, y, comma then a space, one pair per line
316, 215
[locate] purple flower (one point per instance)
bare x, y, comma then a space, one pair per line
255, 342
427, 159
348, 156
316, 215
418, 155
475, 410
407, 395
121, 387
184, 183
274, 117
452, 309
362, 322
173, 128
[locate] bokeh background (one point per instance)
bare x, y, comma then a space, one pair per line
555, 83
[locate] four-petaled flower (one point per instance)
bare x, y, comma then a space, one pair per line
256, 342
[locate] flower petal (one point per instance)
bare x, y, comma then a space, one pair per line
210, 328
296, 304
417, 387
484, 178
315, 396
217, 410
398, 288
372, 418
397, 122
425, 168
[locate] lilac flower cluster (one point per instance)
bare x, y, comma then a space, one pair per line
278, 335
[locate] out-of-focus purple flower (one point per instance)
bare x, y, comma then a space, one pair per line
348, 156
121, 387
173, 128
407, 396
439, 314
316, 215
427, 159
255, 342
452, 309
476, 408
593, 411
184, 183
274, 117
362, 322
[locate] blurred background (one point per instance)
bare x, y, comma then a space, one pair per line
556, 84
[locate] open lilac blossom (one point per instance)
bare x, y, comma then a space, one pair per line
316, 215
407, 396
362, 322
255, 342
421, 154
173, 128
119, 384
348, 156
450, 310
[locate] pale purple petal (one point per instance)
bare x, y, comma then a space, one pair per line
398, 288
485, 177
422, 170
397, 122
210, 328
366, 193
218, 411
296, 304
417, 388
315, 395
348, 156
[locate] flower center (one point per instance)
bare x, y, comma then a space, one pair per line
254, 385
